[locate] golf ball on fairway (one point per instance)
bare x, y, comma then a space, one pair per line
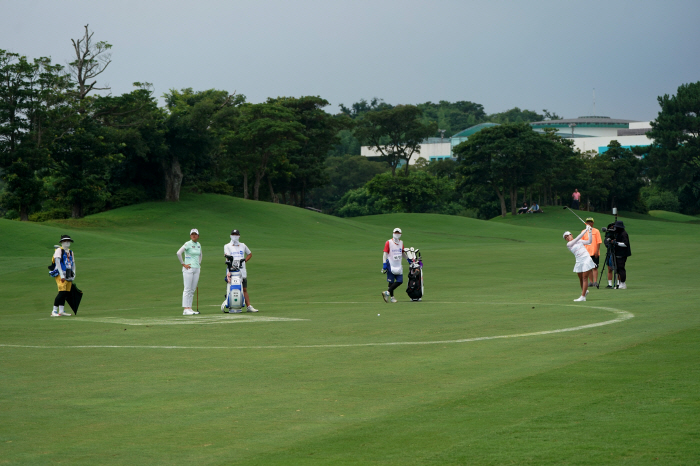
377, 315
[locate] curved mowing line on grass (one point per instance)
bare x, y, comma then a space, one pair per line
621, 317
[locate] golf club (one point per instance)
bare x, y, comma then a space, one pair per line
197, 299
565, 207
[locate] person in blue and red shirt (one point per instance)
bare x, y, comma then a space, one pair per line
392, 264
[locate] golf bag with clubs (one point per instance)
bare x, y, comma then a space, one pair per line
235, 300
414, 289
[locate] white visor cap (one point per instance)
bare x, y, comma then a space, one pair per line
397, 229
566, 233
194, 231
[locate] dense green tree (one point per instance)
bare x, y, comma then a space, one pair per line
81, 163
598, 178
452, 117
416, 192
266, 133
32, 104
628, 177
359, 109
344, 174
359, 202
135, 123
320, 131
674, 159
191, 135
503, 158
443, 169
515, 115
395, 133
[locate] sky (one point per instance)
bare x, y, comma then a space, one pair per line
535, 54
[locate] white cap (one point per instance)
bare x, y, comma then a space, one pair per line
566, 233
397, 229
194, 230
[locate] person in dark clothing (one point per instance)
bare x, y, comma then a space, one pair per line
622, 252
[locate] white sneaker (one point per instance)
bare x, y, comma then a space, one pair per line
580, 298
55, 314
189, 312
393, 300
623, 286
385, 296
63, 313
251, 309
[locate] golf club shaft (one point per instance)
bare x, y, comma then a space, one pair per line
576, 215
197, 299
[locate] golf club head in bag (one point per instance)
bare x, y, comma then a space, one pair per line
414, 288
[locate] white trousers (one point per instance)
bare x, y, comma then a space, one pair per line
191, 278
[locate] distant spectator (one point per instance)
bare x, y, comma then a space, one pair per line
534, 209
576, 202
523, 209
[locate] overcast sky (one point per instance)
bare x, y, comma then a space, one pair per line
531, 54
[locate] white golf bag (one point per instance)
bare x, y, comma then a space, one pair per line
235, 300
414, 288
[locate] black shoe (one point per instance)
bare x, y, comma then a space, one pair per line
609, 286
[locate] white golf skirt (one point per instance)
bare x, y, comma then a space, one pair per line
584, 265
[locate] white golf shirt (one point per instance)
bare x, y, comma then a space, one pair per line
238, 252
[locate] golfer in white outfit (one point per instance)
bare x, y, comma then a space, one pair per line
584, 264
190, 270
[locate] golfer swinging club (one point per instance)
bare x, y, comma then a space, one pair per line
391, 264
584, 264
190, 270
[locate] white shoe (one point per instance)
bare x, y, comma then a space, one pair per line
623, 286
189, 312
55, 314
580, 298
393, 300
250, 308
385, 296
63, 313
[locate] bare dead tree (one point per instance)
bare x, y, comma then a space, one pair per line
92, 59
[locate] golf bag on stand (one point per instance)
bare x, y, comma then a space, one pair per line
235, 300
414, 289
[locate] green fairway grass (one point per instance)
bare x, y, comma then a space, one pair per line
673, 216
497, 364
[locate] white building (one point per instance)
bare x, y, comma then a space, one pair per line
431, 149
589, 133
596, 132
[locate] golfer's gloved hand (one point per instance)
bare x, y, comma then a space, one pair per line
622, 245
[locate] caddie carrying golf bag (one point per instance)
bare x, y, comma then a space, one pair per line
414, 289
235, 300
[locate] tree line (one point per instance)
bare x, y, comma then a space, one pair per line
67, 151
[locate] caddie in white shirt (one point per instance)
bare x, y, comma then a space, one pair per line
239, 251
392, 264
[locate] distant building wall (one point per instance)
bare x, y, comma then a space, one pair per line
430, 152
